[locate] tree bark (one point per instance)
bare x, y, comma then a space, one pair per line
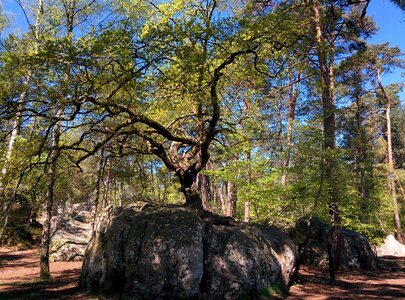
204, 188
401, 188
360, 157
294, 92
50, 197
107, 183
152, 183
97, 189
326, 64
54, 152
15, 132
249, 179
231, 199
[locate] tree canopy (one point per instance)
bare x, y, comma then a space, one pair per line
262, 110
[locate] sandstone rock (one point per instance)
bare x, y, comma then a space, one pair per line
69, 238
356, 251
173, 252
391, 247
21, 210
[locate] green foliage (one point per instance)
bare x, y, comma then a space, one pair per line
273, 291
20, 236
134, 78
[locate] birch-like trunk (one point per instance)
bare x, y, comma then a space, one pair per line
15, 132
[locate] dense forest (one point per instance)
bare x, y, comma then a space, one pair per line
264, 111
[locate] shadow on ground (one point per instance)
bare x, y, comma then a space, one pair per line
387, 282
62, 287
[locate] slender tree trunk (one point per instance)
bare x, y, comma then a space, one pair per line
152, 184
97, 189
249, 179
231, 199
165, 188
390, 158
401, 188
330, 163
54, 154
50, 199
203, 186
107, 183
222, 199
4, 218
16, 126
159, 188
120, 192
294, 92
360, 157
247, 212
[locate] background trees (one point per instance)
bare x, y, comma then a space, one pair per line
261, 111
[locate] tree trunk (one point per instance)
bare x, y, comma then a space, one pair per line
203, 186
247, 212
391, 171
222, 199
401, 188
107, 183
294, 92
15, 132
188, 188
360, 158
54, 155
97, 189
329, 127
231, 199
152, 181
51, 177
249, 179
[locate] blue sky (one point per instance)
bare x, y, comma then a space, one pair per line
391, 21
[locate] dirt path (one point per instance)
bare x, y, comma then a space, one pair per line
19, 273
387, 282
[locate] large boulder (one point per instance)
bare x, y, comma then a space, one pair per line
313, 239
19, 229
391, 247
171, 252
20, 211
69, 237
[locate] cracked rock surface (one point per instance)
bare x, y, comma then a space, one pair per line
145, 251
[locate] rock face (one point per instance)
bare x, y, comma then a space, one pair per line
171, 252
356, 251
69, 237
391, 247
21, 211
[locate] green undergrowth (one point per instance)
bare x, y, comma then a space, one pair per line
21, 236
273, 292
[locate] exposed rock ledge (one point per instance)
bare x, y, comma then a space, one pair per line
146, 251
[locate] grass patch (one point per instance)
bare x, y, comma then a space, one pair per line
273, 291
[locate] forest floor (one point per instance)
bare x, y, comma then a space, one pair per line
19, 273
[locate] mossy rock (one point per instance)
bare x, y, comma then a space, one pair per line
18, 235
